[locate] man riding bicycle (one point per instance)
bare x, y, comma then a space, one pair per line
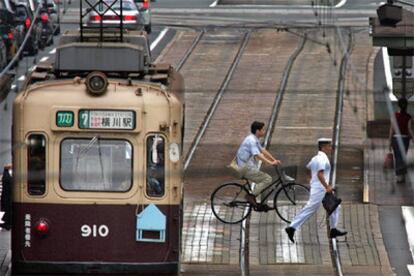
247, 159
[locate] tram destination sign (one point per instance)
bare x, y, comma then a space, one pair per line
106, 119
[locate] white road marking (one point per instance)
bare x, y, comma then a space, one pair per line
408, 215
158, 39
388, 76
22, 78
52, 51
340, 4
410, 269
44, 59
13, 86
213, 4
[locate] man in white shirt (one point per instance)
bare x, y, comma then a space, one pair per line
247, 158
320, 169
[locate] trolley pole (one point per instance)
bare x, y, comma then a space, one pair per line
404, 78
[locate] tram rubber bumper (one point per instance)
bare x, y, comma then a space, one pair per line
93, 267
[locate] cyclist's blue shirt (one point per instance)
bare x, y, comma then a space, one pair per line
248, 149
319, 162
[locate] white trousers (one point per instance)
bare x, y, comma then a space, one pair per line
313, 204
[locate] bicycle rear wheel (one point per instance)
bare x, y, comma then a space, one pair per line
289, 200
229, 204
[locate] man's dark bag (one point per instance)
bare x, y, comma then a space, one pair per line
330, 202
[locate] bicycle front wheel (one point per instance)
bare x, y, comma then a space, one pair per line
289, 200
229, 204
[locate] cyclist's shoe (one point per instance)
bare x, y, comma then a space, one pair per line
291, 233
336, 233
263, 208
251, 199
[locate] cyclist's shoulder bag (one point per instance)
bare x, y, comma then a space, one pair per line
233, 165
330, 202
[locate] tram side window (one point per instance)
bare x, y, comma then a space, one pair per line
96, 164
155, 166
36, 157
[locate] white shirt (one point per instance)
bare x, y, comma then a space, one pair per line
319, 162
248, 149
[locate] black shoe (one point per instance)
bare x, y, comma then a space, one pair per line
336, 233
263, 208
251, 199
291, 233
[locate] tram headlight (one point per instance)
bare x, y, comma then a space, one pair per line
96, 83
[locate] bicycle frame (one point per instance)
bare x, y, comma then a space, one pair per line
273, 186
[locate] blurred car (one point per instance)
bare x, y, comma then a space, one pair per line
145, 12
8, 33
32, 4
24, 18
46, 30
111, 17
3, 55
52, 10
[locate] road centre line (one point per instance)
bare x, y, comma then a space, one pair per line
22, 78
44, 59
158, 39
52, 51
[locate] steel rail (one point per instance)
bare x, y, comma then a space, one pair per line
282, 89
335, 256
245, 225
190, 50
216, 101
210, 113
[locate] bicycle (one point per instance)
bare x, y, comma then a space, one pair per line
229, 203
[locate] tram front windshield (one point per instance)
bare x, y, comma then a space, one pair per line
96, 165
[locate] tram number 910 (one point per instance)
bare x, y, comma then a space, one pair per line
94, 231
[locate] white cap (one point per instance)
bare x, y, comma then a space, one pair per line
325, 140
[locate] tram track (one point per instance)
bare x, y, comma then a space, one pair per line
216, 101
244, 260
245, 225
199, 149
190, 50
336, 262
205, 66
335, 254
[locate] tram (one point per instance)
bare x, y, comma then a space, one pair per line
97, 161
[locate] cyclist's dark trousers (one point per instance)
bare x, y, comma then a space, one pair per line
261, 179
